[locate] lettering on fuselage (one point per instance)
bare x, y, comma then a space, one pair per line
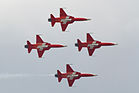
41, 47
94, 44
67, 19
72, 76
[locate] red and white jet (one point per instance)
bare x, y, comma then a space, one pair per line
91, 44
71, 75
41, 46
64, 19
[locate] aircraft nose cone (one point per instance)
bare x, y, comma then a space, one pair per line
116, 44
26, 46
95, 75
65, 46
88, 19
108, 44
62, 45
76, 44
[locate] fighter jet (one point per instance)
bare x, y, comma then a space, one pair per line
71, 75
91, 44
41, 46
64, 19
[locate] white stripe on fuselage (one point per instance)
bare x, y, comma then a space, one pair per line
67, 19
94, 44
72, 76
41, 47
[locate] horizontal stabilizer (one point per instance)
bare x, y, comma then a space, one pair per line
29, 46
59, 76
52, 20
79, 45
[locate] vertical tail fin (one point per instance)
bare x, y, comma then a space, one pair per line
79, 45
29, 46
59, 76
52, 20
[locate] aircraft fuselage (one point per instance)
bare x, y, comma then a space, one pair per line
44, 46
67, 19
74, 75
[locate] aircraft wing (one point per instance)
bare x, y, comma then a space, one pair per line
69, 69
91, 51
70, 82
62, 12
40, 53
89, 38
64, 26
38, 39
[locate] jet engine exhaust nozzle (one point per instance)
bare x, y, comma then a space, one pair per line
26, 46
76, 44
49, 20
56, 75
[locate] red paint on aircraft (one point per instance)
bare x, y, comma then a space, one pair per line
71, 75
91, 44
64, 19
41, 46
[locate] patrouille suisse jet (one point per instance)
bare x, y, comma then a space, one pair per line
64, 19
71, 75
41, 46
91, 44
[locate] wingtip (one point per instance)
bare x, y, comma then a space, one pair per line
40, 57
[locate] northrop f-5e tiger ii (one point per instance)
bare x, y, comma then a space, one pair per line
91, 44
71, 75
64, 19
41, 46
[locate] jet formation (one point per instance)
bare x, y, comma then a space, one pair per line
64, 19
91, 44
41, 46
71, 75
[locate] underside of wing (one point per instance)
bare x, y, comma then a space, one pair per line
62, 12
70, 82
40, 53
91, 51
69, 69
38, 39
89, 38
64, 26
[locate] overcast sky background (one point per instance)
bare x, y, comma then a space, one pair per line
112, 21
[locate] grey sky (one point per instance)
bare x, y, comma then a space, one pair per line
112, 21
